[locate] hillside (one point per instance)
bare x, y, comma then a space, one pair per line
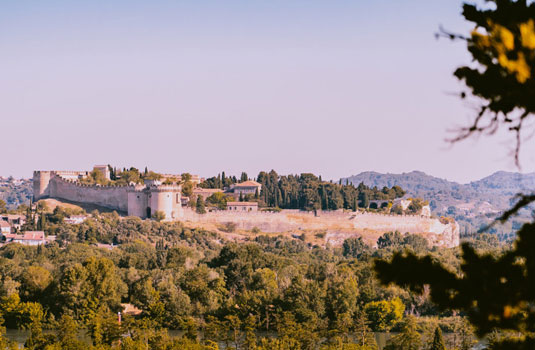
15, 192
474, 204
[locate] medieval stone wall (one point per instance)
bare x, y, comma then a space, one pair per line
339, 222
113, 197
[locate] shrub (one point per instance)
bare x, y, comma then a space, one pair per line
228, 227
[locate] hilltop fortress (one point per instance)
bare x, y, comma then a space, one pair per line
144, 200
135, 199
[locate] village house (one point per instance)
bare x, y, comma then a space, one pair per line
15, 220
245, 188
29, 238
242, 206
5, 228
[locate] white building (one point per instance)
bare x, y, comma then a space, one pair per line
242, 206
246, 187
29, 238
5, 228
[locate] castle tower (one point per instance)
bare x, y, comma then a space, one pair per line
41, 179
166, 199
138, 204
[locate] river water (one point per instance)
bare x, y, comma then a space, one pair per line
20, 336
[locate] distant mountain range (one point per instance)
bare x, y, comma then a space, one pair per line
474, 204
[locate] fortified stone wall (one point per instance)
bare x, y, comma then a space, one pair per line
408, 223
335, 221
113, 197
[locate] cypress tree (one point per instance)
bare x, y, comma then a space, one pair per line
199, 206
438, 341
41, 223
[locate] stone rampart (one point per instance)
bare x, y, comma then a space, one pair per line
112, 197
335, 221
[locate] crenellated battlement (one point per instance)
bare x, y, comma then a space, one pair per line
165, 188
95, 186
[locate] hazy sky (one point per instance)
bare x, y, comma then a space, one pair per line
330, 87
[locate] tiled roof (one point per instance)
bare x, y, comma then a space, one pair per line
241, 203
248, 184
28, 236
207, 190
4, 224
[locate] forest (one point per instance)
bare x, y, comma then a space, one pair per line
307, 191
270, 292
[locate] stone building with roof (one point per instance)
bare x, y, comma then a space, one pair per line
5, 227
245, 188
242, 206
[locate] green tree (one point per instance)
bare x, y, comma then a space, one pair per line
3, 206
390, 239
219, 199
417, 242
67, 334
34, 281
384, 314
355, 247
187, 188
408, 338
364, 200
363, 333
438, 341
84, 289
199, 206
158, 215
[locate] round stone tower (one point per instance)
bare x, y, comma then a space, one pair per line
166, 199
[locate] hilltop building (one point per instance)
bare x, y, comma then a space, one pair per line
242, 206
104, 169
245, 188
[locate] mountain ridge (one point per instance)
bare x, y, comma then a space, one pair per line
473, 204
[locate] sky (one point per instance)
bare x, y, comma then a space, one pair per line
329, 87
